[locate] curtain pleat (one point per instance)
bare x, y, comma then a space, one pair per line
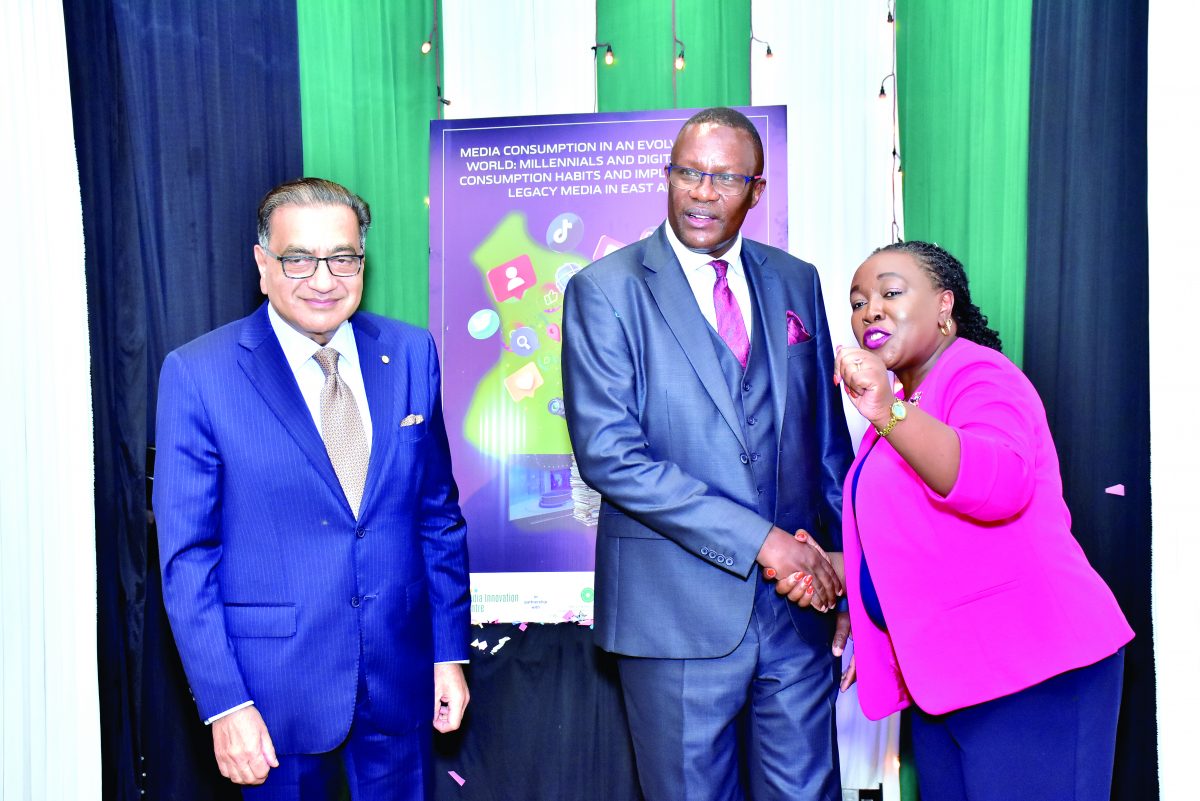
49, 729
367, 95
516, 58
184, 116
1173, 206
1086, 323
963, 72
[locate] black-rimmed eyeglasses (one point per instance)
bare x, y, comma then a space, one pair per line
726, 183
340, 265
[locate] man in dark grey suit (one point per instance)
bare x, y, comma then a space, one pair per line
700, 403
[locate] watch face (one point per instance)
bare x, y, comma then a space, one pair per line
899, 410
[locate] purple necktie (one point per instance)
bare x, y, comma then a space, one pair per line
730, 323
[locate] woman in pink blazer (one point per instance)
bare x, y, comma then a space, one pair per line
970, 600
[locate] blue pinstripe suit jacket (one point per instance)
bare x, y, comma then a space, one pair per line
275, 592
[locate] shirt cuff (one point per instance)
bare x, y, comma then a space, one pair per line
454, 662
229, 711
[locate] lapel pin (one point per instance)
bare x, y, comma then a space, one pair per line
386, 359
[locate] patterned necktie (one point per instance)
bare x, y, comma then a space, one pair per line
342, 429
731, 326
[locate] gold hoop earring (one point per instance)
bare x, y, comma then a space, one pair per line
944, 327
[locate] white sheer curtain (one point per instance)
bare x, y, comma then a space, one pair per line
1174, 207
49, 709
827, 63
517, 57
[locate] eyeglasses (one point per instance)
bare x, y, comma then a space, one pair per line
340, 265
726, 183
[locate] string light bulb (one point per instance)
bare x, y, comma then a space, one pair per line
882, 90
426, 46
680, 63
608, 55
769, 53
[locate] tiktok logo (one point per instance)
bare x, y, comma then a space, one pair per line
565, 232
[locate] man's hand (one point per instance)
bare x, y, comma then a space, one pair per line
450, 696
245, 753
807, 576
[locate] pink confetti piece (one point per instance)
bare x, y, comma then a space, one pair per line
1116, 489
461, 781
570, 615
523, 626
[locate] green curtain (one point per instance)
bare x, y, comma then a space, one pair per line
367, 94
963, 74
716, 38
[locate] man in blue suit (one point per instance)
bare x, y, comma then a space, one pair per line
313, 552
700, 403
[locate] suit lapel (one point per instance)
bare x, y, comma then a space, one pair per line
768, 290
263, 362
381, 379
675, 300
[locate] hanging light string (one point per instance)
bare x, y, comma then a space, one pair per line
609, 59
754, 39
433, 43
896, 162
679, 63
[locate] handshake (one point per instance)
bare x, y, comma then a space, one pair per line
805, 573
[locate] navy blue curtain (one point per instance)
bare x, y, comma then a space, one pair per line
185, 114
1086, 313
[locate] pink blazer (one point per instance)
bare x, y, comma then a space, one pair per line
985, 591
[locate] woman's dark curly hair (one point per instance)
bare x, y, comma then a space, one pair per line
947, 272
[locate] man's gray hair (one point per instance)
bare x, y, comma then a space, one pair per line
311, 192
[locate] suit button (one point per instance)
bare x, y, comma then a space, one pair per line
355, 602
746, 387
704, 552
751, 421
360, 532
754, 457
745, 459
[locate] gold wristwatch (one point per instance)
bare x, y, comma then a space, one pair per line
899, 412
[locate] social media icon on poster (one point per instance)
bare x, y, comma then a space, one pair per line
554, 332
512, 279
483, 324
550, 295
564, 232
524, 382
563, 274
523, 341
556, 407
605, 246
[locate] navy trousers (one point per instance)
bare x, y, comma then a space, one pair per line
374, 765
1054, 741
760, 718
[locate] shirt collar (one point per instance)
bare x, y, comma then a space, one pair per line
692, 261
297, 348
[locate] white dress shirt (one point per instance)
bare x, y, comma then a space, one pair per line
702, 277
299, 351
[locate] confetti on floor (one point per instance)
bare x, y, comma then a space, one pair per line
461, 781
500, 644
1116, 489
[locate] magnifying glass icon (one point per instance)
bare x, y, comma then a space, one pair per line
522, 341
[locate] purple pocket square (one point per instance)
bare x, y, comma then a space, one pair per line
796, 330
